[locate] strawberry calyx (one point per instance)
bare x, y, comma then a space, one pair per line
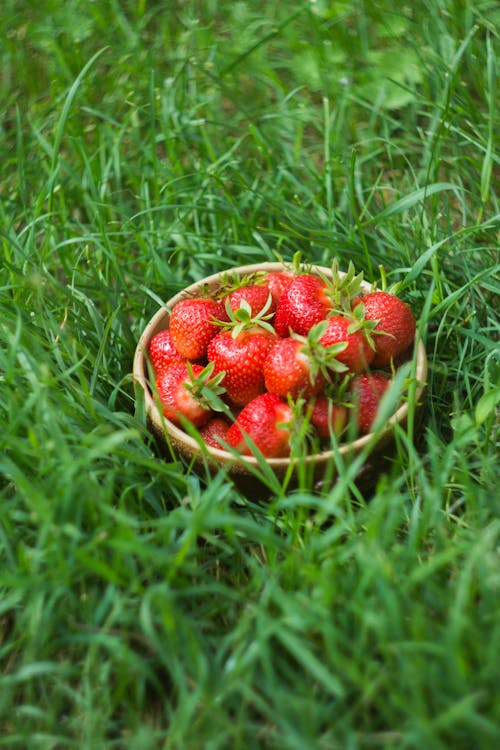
206, 387
231, 281
341, 290
242, 318
370, 327
361, 323
322, 359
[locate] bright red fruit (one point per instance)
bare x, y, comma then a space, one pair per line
173, 386
367, 390
302, 305
278, 282
328, 417
192, 325
260, 420
256, 295
288, 370
358, 353
396, 321
162, 352
241, 357
215, 428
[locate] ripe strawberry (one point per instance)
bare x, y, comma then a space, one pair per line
277, 282
180, 391
192, 325
302, 305
327, 416
367, 390
215, 428
290, 369
395, 319
240, 355
263, 419
162, 352
257, 297
358, 353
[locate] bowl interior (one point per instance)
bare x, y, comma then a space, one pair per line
188, 447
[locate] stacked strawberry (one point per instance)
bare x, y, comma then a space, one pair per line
253, 362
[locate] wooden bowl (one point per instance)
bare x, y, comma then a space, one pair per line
245, 468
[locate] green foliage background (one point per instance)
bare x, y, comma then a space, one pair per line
145, 145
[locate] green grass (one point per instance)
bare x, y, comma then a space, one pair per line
144, 146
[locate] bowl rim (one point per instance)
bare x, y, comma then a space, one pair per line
161, 424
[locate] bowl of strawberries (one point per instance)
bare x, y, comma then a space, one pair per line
282, 365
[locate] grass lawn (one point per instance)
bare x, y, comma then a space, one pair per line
145, 145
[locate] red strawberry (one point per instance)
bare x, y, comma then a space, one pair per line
192, 325
257, 297
162, 352
260, 420
328, 417
395, 320
302, 305
240, 355
289, 369
176, 388
367, 390
278, 282
358, 353
215, 428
